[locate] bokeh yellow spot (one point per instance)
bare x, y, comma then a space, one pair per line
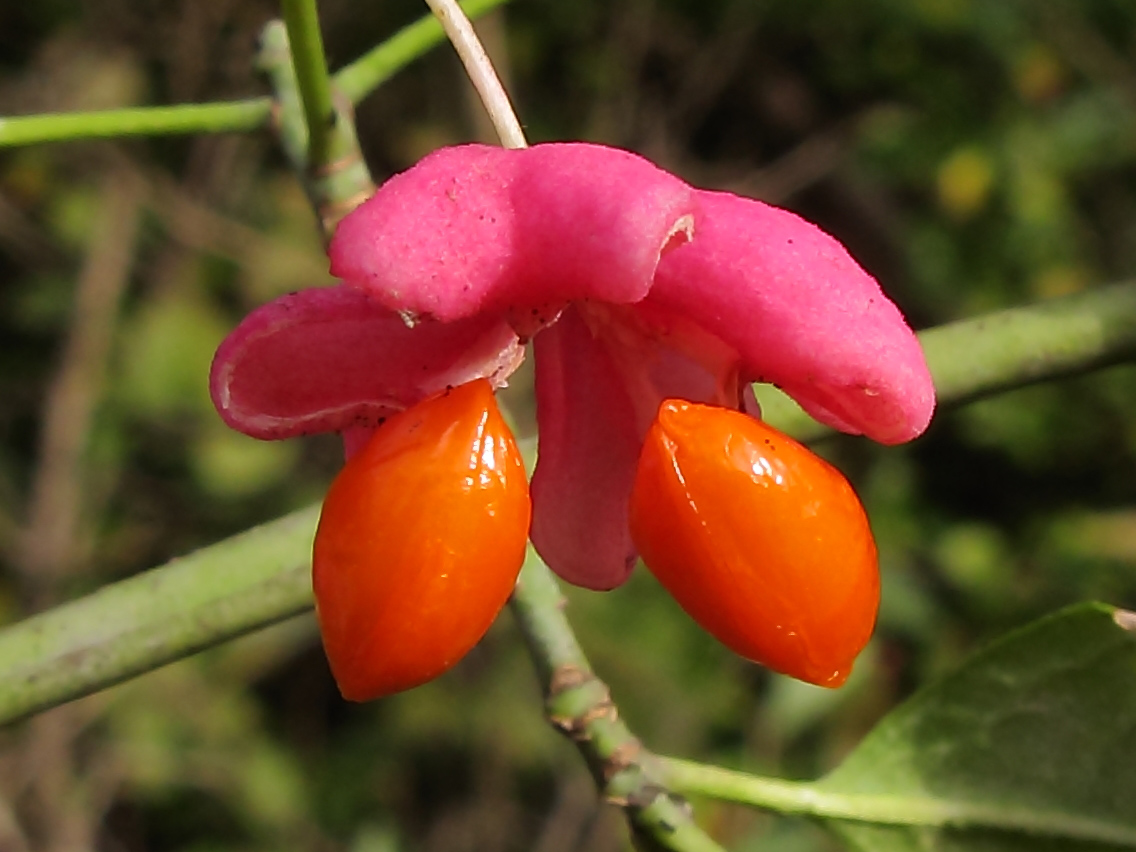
964, 182
1059, 280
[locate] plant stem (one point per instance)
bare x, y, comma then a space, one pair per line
480, 71
233, 117
985, 355
302, 21
220, 592
579, 705
809, 799
355, 81
341, 181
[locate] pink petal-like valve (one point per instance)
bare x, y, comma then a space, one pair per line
801, 314
328, 359
478, 229
589, 444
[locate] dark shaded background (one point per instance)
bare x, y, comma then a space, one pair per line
971, 154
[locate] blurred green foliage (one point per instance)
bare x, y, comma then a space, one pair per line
972, 154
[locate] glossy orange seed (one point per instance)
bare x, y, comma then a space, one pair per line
420, 541
761, 541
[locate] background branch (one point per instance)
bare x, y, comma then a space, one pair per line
244, 583
231, 117
355, 81
55, 507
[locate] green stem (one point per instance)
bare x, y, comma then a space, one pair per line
979, 357
579, 705
986, 355
234, 117
479, 68
124, 629
302, 21
341, 181
355, 81
807, 799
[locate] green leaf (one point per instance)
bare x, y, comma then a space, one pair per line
1031, 745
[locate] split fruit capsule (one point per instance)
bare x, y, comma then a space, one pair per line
762, 542
419, 544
